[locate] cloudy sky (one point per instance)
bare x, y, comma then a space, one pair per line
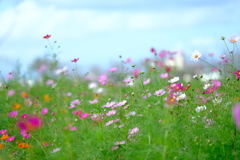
98, 31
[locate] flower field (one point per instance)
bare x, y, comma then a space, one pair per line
129, 112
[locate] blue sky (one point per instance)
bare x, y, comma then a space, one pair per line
98, 31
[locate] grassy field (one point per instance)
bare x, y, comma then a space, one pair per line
131, 114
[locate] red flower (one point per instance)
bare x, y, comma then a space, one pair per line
75, 60
47, 36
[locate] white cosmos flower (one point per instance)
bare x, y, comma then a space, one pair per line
181, 96
200, 108
195, 55
175, 79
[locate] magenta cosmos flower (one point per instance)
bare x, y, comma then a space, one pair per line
10, 139
75, 60
83, 115
30, 123
238, 74
4, 131
13, 114
44, 111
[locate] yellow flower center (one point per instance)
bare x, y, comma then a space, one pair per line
195, 56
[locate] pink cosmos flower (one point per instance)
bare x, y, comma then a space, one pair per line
164, 75
238, 74
133, 131
153, 50
11, 93
49, 82
236, 114
159, 92
214, 69
111, 113
108, 123
115, 148
102, 79
216, 83
94, 101
74, 103
10, 139
30, 123
4, 131
44, 111
73, 129
42, 68
146, 82
9, 75
83, 115
113, 69
119, 143
25, 134
24, 115
77, 112
13, 114
128, 60
222, 56
127, 80
210, 54
162, 54
136, 72
75, 60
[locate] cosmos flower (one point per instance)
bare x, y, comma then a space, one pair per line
75, 60
47, 36
133, 131
44, 111
175, 79
234, 39
113, 69
4, 131
195, 55
146, 82
83, 115
10, 139
55, 150
200, 108
13, 114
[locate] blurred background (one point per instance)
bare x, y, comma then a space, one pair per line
98, 31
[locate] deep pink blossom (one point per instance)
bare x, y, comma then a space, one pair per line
44, 111
10, 139
75, 60
4, 131
83, 115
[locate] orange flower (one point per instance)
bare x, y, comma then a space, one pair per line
46, 97
23, 145
5, 136
24, 95
16, 106
1, 146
